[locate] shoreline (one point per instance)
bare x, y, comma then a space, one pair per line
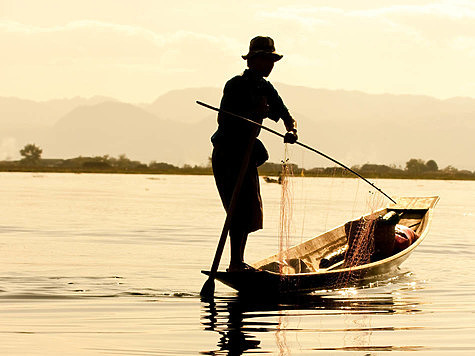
207, 171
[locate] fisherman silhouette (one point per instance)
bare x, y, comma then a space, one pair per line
251, 96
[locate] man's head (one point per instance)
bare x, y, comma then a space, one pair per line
262, 55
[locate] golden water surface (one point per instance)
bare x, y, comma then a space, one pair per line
110, 265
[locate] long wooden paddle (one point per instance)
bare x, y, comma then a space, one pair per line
208, 287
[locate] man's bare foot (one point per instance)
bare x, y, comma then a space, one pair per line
239, 267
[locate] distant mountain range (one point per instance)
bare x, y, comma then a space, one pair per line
351, 126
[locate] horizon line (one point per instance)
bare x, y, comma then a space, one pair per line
89, 97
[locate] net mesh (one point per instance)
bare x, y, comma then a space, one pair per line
361, 236
286, 210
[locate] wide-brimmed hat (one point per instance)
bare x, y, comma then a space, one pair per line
262, 45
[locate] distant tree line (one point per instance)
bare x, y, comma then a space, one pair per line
32, 162
415, 168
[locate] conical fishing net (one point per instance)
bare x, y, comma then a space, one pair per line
339, 202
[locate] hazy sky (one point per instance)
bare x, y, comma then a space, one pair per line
137, 50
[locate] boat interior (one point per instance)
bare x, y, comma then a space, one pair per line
327, 251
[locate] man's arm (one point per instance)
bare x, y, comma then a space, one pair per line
291, 127
290, 123
279, 110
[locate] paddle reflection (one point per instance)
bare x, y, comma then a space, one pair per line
239, 320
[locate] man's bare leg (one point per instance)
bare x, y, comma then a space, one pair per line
243, 246
238, 243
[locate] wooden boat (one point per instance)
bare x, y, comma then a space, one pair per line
301, 272
271, 180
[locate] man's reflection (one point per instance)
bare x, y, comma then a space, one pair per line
234, 340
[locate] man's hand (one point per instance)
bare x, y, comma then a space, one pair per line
291, 137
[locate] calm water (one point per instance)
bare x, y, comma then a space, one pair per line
110, 265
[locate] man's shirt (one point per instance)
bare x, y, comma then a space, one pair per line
253, 97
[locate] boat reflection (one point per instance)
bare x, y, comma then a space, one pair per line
342, 315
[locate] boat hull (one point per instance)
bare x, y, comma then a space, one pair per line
418, 214
263, 282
